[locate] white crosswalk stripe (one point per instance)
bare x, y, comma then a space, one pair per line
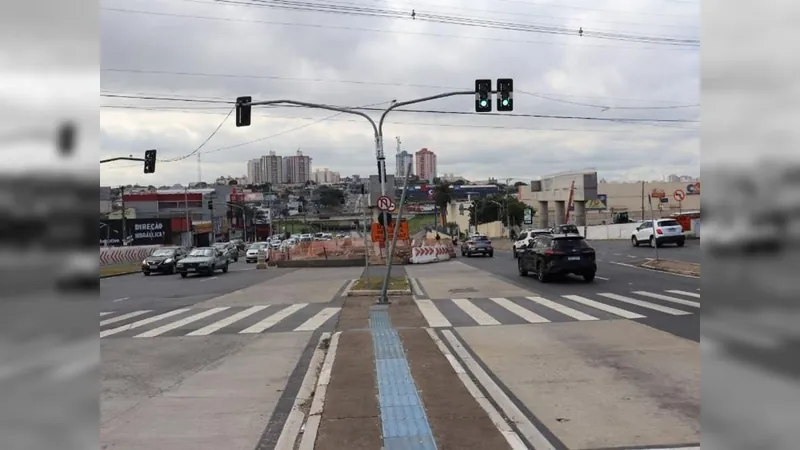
177, 324
318, 319
273, 320
643, 304
142, 322
478, 315
686, 293
459, 312
220, 324
667, 298
123, 317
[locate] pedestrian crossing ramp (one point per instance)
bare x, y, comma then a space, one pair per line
463, 312
148, 323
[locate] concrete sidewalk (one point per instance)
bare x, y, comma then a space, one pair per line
369, 406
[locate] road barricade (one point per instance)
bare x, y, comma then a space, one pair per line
430, 254
121, 255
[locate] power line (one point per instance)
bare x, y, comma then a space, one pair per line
190, 154
298, 5
403, 15
430, 111
371, 83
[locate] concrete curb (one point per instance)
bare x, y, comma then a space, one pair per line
131, 272
372, 293
650, 264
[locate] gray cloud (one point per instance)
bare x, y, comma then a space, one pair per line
402, 56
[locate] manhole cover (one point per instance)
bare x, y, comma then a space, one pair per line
462, 290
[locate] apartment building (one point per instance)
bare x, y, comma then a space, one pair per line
402, 160
272, 167
325, 176
425, 160
297, 168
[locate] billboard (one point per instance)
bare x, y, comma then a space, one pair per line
138, 232
457, 192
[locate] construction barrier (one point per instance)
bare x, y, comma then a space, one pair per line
429, 254
122, 255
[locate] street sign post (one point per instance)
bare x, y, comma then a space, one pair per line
385, 204
527, 217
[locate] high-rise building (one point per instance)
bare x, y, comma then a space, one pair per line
402, 160
325, 176
272, 166
425, 160
297, 169
255, 174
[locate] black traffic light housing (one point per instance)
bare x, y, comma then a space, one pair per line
150, 161
243, 110
210, 205
66, 138
483, 95
505, 94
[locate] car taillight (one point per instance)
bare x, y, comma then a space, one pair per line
659, 231
550, 251
488, 242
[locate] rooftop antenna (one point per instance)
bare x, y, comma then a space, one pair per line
398, 143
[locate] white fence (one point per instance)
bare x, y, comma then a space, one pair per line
625, 230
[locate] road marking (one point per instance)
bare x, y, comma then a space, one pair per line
270, 321
643, 304
667, 298
120, 299
348, 287
143, 322
185, 321
318, 319
601, 278
525, 314
124, 317
106, 313
508, 433
205, 331
603, 307
524, 425
475, 313
209, 279
688, 294
566, 310
432, 314
631, 256
315, 412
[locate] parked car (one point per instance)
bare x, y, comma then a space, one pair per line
251, 255
558, 255
203, 260
524, 239
477, 245
230, 250
163, 260
668, 231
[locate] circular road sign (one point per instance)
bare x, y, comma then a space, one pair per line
679, 195
385, 203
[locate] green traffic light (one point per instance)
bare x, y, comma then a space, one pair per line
483, 103
505, 102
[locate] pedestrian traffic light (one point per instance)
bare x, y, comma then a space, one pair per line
243, 110
505, 94
149, 161
66, 138
483, 95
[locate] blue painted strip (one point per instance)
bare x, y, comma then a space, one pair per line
403, 421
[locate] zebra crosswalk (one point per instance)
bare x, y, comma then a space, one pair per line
462, 312
189, 321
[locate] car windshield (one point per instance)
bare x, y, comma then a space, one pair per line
669, 223
164, 252
570, 244
202, 252
479, 238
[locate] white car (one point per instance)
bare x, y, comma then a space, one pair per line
524, 239
251, 255
667, 231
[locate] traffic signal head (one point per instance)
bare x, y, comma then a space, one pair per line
483, 95
210, 205
505, 94
149, 161
243, 110
66, 138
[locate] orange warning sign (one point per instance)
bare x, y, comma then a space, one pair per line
378, 232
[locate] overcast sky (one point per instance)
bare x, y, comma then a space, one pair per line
198, 49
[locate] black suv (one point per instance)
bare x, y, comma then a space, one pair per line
558, 255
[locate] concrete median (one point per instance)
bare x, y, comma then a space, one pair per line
677, 267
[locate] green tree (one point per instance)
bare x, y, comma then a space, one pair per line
497, 207
330, 197
442, 197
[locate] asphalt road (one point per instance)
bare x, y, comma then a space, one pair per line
624, 251
618, 277
136, 292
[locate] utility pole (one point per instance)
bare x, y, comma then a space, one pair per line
367, 241
199, 169
186, 210
384, 298
124, 223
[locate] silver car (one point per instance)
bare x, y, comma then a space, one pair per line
204, 261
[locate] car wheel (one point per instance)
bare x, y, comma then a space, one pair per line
514, 253
183, 274
681, 243
172, 270
225, 269
652, 241
588, 277
634, 241
147, 274
541, 275
522, 271
491, 254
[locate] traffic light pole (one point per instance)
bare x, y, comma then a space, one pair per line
103, 161
384, 297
